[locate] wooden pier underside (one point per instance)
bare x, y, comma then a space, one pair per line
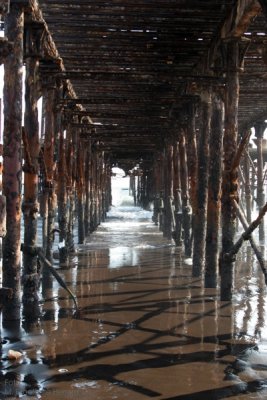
163, 89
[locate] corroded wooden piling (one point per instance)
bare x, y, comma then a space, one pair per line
93, 211
30, 205
186, 208
248, 196
87, 189
234, 57
62, 198
92, 185
168, 198
200, 218
108, 186
80, 192
14, 26
177, 234
48, 187
192, 154
157, 184
70, 161
259, 131
214, 191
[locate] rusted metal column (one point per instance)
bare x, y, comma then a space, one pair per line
186, 208
30, 204
247, 187
14, 26
214, 191
259, 131
234, 51
168, 200
200, 218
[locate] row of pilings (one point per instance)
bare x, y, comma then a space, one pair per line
58, 177
204, 171
193, 178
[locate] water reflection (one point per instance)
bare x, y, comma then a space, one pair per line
147, 328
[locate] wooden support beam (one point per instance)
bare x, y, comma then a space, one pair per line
248, 194
214, 191
200, 218
87, 189
230, 175
246, 226
192, 153
168, 197
235, 25
259, 131
71, 185
80, 191
247, 236
62, 198
14, 27
30, 205
186, 208
6, 48
48, 155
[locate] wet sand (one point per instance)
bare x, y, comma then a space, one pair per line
147, 329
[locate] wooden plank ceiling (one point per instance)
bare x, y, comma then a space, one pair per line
130, 62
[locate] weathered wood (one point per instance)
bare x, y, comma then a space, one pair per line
240, 150
200, 221
5, 296
30, 205
192, 156
6, 48
230, 175
254, 246
80, 192
168, 198
157, 183
48, 265
70, 188
177, 233
214, 191
87, 190
246, 236
259, 131
62, 199
14, 27
2, 215
51, 132
186, 208
247, 187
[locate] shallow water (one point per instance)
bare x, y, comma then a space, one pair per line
147, 329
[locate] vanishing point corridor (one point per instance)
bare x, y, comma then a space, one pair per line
159, 292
